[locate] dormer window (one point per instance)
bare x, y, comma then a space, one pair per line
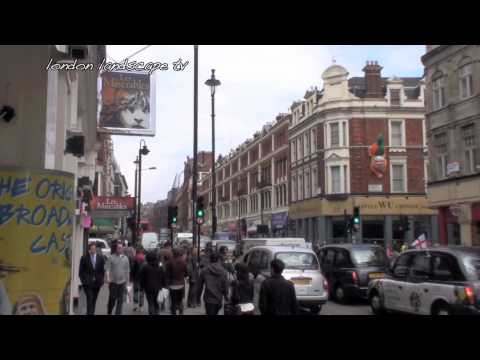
395, 97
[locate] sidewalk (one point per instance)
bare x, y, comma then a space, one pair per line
101, 308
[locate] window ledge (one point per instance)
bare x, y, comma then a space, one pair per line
398, 149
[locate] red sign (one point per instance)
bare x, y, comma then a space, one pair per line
113, 203
476, 212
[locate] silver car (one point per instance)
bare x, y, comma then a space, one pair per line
301, 267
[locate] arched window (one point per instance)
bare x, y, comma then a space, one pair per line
438, 91
465, 78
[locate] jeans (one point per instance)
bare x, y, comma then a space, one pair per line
192, 295
212, 309
176, 300
138, 295
153, 307
117, 293
91, 292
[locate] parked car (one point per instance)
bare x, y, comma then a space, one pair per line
301, 267
102, 246
349, 268
434, 281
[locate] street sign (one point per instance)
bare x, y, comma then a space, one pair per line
199, 221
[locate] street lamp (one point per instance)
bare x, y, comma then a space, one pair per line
141, 151
213, 83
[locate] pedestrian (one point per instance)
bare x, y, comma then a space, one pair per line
214, 279
176, 272
193, 273
242, 287
138, 293
258, 279
118, 275
92, 274
277, 295
152, 280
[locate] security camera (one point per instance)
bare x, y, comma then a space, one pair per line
79, 52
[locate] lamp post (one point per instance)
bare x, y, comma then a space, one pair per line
213, 83
141, 151
136, 204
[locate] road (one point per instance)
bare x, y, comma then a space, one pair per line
331, 308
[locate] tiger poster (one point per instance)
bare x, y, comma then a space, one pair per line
126, 103
36, 225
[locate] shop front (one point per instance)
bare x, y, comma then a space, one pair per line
476, 224
323, 221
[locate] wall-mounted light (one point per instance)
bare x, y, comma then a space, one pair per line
7, 113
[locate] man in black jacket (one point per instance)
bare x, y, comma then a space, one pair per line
277, 295
92, 275
214, 279
152, 280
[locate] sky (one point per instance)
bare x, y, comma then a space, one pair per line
258, 83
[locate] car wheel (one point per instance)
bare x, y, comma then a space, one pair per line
315, 310
376, 304
339, 294
442, 309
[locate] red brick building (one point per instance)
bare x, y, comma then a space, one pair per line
330, 133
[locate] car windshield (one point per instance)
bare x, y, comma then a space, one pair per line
299, 260
369, 256
471, 261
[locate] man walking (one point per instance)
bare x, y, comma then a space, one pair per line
192, 269
92, 274
118, 275
214, 279
277, 295
176, 272
152, 280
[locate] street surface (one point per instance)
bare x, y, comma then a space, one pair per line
331, 308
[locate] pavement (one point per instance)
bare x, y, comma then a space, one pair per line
331, 308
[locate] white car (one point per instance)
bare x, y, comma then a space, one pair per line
102, 245
150, 240
301, 268
434, 281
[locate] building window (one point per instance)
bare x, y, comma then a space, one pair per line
468, 135
441, 148
395, 97
344, 133
308, 180
466, 81
294, 188
300, 148
345, 179
307, 144
397, 133
398, 171
314, 141
438, 93
314, 182
334, 135
293, 146
300, 187
335, 177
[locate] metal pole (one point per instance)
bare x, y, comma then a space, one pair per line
135, 208
139, 211
345, 219
214, 177
195, 134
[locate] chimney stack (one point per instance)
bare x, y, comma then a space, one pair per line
373, 79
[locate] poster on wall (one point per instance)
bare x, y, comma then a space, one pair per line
36, 214
127, 103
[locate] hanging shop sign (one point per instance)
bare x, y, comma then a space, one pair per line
127, 103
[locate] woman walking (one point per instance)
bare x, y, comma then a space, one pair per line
152, 280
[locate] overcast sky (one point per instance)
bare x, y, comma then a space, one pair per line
258, 82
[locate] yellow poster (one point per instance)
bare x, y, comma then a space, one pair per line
36, 214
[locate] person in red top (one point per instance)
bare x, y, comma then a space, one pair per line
138, 292
176, 272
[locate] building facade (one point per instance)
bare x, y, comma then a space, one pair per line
252, 184
453, 128
330, 133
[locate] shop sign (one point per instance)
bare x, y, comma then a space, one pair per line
375, 188
453, 167
112, 203
279, 220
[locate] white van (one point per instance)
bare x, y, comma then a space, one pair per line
247, 243
149, 240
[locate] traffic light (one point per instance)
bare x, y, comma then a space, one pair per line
356, 215
172, 215
200, 207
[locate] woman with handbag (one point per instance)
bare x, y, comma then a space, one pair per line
138, 294
241, 300
152, 281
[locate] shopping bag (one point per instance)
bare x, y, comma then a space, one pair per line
129, 290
